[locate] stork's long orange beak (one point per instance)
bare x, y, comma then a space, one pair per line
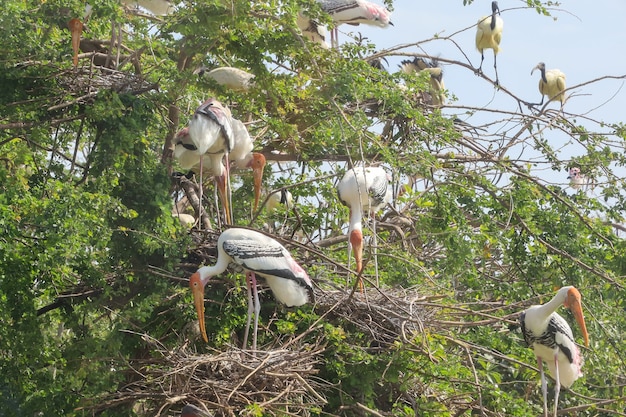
258, 165
76, 28
356, 240
574, 303
197, 289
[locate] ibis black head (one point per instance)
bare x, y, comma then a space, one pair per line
542, 68
494, 7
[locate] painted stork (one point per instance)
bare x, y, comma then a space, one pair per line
549, 335
355, 12
489, 35
437, 86
257, 254
230, 77
363, 189
211, 132
551, 83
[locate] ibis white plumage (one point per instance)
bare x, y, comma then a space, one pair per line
551, 83
279, 198
258, 255
552, 340
363, 189
211, 132
489, 35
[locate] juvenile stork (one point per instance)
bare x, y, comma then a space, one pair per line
489, 35
363, 189
549, 335
258, 255
551, 83
437, 86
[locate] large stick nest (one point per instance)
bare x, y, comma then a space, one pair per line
279, 381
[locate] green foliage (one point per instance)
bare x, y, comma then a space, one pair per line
90, 255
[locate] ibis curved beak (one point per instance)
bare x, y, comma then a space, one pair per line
197, 289
574, 303
258, 165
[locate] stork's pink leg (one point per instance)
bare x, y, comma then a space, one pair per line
257, 308
544, 387
250, 308
229, 193
557, 387
200, 193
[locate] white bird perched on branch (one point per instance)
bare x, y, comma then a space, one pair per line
549, 335
240, 157
257, 254
437, 86
230, 77
363, 190
551, 83
489, 35
355, 12
210, 131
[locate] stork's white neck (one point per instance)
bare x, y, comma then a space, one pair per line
356, 218
556, 301
206, 272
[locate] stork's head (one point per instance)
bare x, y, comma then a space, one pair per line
574, 303
257, 164
197, 288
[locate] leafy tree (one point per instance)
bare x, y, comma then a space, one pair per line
96, 317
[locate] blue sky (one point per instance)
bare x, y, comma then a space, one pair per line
583, 39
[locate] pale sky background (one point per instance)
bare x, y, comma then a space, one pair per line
585, 42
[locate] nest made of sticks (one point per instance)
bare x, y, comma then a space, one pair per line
281, 380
